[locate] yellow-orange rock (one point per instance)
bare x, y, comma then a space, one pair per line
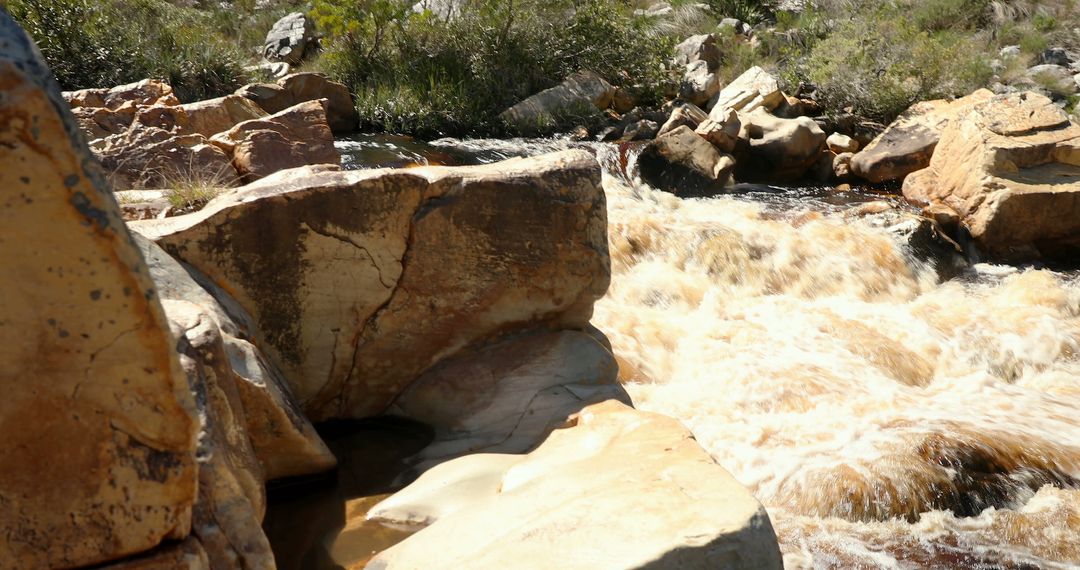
214, 116
97, 432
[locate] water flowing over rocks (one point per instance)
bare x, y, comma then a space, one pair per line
569, 499
907, 144
1010, 169
349, 351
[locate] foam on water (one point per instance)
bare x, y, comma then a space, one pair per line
884, 420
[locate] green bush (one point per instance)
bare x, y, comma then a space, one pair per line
102, 43
420, 74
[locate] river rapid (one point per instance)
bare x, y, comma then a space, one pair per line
885, 418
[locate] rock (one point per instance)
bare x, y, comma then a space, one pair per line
142, 204
683, 163
1057, 56
1009, 52
908, 143
583, 93
300, 87
144, 93
97, 431
297, 136
697, 48
842, 166
641, 130
753, 89
187, 555
507, 397
150, 157
736, 26
282, 439
268, 70
945, 217
793, 107
658, 10
839, 143
171, 118
1010, 169
928, 242
214, 116
683, 115
569, 500
722, 133
699, 85
1055, 80
622, 101
289, 38
100, 122
779, 150
362, 280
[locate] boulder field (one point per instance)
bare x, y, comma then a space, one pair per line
157, 375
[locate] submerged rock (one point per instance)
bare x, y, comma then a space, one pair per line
360, 281
614, 488
1010, 169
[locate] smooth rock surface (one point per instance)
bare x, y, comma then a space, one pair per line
615, 489
685, 164
97, 432
1010, 169
685, 114
360, 281
214, 116
753, 89
779, 150
583, 93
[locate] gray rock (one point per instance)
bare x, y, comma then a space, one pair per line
738, 26
289, 39
699, 85
1009, 52
1056, 56
701, 47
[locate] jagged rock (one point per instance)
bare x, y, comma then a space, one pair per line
753, 89
297, 136
907, 144
840, 144
145, 92
289, 39
685, 114
97, 432
1010, 169
297, 88
699, 85
505, 398
149, 157
723, 132
778, 149
214, 116
701, 48
171, 118
100, 122
683, 163
583, 93
1054, 80
568, 500
361, 280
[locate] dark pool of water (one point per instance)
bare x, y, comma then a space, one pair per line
317, 523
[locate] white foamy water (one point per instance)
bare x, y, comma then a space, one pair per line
885, 420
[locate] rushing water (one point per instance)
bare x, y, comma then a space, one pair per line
884, 418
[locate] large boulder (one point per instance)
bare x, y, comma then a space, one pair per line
583, 93
778, 150
907, 144
696, 48
100, 122
685, 114
699, 85
145, 92
214, 116
297, 136
362, 280
1010, 169
151, 157
300, 87
289, 38
683, 163
615, 488
753, 89
97, 426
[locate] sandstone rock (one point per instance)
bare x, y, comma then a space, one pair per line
145, 92
685, 114
505, 398
753, 89
1010, 169
340, 111
150, 157
616, 488
1054, 80
187, 555
779, 149
289, 38
100, 122
97, 431
582, 93
723, 132
622, 101
360, 281
735, 25
640, 130
908, 143
270, 96
297, 136
683, 163
842, 166
142, 204
214, 116
701, 48
840, 144
171, 118
699, 85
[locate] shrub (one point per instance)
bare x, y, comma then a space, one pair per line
102, 43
